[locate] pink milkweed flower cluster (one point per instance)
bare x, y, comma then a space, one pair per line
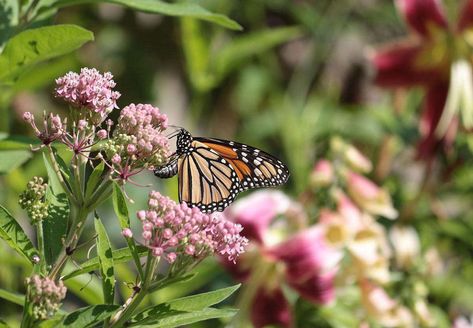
89, 90
183, 235
437, 57
138, 141
46, 295
302, 260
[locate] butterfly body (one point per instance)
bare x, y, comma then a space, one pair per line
211, 172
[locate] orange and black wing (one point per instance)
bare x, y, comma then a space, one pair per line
254, 167
206, 179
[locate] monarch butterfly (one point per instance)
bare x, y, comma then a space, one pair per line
211, 172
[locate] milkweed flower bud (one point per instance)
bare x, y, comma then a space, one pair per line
138, 140
102, 134
177, 231
89, 90
45, 295
33, 200
127, 233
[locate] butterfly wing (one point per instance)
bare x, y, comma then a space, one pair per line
254, 167
206, 179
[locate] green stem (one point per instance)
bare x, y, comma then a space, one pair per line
40, 239
124, 314
78, 217
60, 177
245, 299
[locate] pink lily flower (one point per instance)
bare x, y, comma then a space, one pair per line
302, 260
436, 57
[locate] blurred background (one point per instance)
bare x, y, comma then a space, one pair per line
297, 75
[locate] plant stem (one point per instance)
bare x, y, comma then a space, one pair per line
40, 239
56, 169
124, 314
78, 217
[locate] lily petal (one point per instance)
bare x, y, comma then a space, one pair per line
466, 16
256, 212
270, 307
305, 253
397, 65
434, 105
422, 15
318, 289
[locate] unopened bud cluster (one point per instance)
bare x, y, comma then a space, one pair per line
33, 200
45, 295
138, 140
176, 231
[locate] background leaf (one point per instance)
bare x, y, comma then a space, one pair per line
12, 297
9, 12
13, 234
11, 159
33, 46
178, 9
104, 253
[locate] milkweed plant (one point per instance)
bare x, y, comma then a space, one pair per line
90, 159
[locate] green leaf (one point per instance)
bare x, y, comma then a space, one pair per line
35, 45
105, 255
55, 226
12, 297
3, 324
178, 9
203, 300
11, 159
192, 303
164, 317
121, 210
244, 47
9, 13
94, 180
119, 205
119, 256
87, 288
15, 142
196, 49
13, 234
88, 316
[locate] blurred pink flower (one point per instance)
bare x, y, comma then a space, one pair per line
304, 260
322, 173
369, 196
429, 58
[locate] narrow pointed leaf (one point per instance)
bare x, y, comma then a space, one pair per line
12, 297
104, 252
121, 210
13, 234
244, 47
94, 180
192, 303
88, 317
168, 318
35, 45
119, 256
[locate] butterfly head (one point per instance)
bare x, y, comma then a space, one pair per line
184, 139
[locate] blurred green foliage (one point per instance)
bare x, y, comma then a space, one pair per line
286, 78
